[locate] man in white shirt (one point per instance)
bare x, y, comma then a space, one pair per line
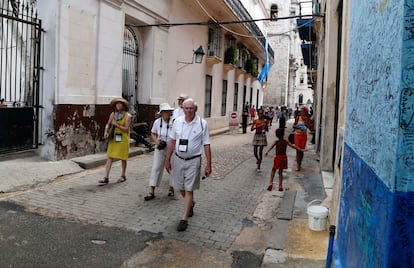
179, 110
189, 136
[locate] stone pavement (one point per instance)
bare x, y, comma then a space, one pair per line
234, 213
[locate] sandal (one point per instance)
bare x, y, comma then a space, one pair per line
171, 192
280, 189
149, 197
270, 187
105, 180
121, 179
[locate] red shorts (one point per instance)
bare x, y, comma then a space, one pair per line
280, 162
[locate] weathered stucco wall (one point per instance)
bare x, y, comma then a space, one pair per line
376, 214
373, 84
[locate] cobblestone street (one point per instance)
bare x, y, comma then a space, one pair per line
224, 200
230, 200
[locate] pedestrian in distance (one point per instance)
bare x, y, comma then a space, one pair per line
302, 125
245, 116
117, 133
252, 113
280, 161
259, 139
160, 135
270, 116
179, 110
282, 117
189, 137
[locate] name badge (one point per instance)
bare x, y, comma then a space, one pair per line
118, 137
182, 145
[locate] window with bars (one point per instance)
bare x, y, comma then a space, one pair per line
214, 41
224, 98
236, 96
251, 96
207, 99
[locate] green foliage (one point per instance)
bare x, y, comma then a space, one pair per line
254, 72
230, 56
251, 67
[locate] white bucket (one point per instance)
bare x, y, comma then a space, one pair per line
317, 217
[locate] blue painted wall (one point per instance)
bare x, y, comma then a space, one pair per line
376, 214
373, 92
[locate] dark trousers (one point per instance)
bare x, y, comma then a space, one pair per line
244, 123
282, 123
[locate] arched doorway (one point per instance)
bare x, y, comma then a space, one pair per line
130, 68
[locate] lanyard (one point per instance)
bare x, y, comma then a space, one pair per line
166, 134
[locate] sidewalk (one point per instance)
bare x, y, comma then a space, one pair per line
274, 226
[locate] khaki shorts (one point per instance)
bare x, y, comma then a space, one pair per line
185, 174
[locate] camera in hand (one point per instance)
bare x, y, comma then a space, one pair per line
162, 145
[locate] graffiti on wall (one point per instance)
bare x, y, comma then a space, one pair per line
373, 84
402, 235
374, 220
405, 161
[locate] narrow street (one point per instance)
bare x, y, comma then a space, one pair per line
82, 224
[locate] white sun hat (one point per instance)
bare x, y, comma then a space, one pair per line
165, 107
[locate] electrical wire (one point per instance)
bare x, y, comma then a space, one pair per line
223, 23
227, 29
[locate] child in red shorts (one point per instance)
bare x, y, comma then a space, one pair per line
280, 161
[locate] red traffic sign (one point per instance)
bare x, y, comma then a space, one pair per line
233, 115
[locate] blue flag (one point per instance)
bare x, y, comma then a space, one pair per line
263, 74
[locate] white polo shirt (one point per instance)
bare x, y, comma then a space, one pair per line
196, 132
162, 130
178, 112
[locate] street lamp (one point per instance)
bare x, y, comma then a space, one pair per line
198, 54
197, 57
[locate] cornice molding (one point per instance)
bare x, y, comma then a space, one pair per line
114, 3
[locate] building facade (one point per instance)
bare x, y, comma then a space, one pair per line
93, 51
288, 83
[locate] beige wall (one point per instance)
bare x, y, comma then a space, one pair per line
328, 87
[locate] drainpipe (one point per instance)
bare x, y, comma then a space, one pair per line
330, 246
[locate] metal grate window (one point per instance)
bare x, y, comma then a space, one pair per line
224, 98
207, 102
214, 41
130, 67
236, 96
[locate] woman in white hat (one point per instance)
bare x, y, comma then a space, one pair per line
117, 130
159, 134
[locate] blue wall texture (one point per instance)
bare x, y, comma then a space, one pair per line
376, 214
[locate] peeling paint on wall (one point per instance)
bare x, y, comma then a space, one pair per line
78, 130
